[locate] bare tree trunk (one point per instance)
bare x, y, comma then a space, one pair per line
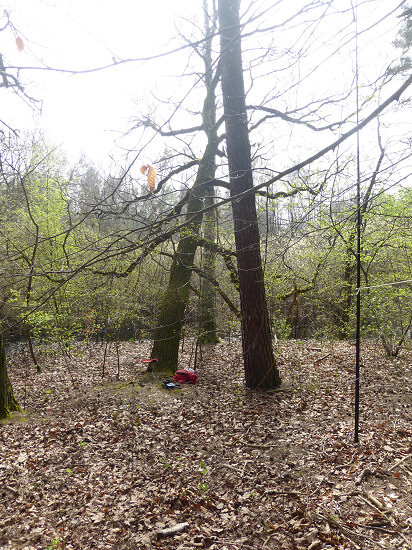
259, 361
174, 301
171, 318
8, 402
207, 327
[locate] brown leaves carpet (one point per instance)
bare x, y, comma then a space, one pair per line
110, 462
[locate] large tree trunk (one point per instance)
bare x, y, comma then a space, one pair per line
259, 361
8, 402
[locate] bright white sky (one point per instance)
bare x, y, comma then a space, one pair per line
86, 113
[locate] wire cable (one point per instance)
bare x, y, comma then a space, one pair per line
358, 235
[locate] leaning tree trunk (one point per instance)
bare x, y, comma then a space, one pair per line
8, 402
174, 301
259, 361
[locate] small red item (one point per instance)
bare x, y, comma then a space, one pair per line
149, 364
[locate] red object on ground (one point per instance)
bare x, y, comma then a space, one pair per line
185, 376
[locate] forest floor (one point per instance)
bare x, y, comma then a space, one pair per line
112, 461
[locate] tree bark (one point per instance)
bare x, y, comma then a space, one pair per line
8, 402
207, 325
259, 362
172, 312
171, 318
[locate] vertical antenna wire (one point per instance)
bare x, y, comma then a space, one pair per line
358, 233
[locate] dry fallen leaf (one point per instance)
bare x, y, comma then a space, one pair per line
151, 176
111, 460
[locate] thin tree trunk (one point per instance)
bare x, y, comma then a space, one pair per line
208, 291
31, 350
349, 273
8, 402
207, 327
259, 361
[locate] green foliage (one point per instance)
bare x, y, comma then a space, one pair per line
202, 468
166, 464
47, 246
55, 543
311, 290
57, 287
203, 486
203, 489
404, 42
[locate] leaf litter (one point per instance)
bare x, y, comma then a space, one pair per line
119, 462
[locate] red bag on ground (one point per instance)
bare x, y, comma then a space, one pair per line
185, 376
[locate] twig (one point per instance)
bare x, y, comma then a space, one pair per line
273, 492
321, 359
244, 467
169, 531
377, 528
267, 540
233, 468
376, 503
258, 446
400, 462
363, 473
405, 539
348, 532
253, 445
